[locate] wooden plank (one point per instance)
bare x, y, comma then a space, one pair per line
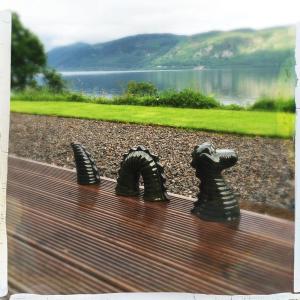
135, 246
38, 270
5, 46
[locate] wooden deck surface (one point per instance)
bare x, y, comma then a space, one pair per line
65, 238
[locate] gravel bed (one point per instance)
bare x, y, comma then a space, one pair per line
264, 174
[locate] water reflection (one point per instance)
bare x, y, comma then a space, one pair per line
242, 85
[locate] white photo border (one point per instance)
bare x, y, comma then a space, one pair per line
155, 296
297, 168
5, 55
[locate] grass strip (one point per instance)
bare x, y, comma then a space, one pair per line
258, 123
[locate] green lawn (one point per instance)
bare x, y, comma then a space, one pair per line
271, 124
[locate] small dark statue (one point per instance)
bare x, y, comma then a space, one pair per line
216, 201
87, 171
139, 162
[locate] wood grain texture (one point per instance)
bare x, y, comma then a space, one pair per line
65, 238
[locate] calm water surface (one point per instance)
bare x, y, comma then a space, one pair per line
241, 86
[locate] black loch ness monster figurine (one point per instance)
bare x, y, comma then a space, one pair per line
140, 162
87, 171
216, 201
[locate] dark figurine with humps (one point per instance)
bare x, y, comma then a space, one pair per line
140, 162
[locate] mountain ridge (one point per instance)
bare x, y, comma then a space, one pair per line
239, 47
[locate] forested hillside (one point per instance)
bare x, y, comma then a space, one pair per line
243, 47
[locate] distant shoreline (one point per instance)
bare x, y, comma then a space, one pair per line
119, 71
99, 72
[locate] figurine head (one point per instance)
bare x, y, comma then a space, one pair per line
207, 157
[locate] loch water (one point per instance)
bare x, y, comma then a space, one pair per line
231, 85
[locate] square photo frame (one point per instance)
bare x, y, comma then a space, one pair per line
5, 53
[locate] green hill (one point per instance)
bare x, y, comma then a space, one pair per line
243, 47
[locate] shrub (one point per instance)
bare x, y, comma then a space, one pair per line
187, 98
287, 105
265, 103
54, 81
141, 88
232, 107
130, 99
77, 98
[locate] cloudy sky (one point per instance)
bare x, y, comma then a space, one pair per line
61, 22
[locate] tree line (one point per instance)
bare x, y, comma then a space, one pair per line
29, 59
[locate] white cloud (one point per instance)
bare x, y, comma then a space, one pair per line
60, 22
